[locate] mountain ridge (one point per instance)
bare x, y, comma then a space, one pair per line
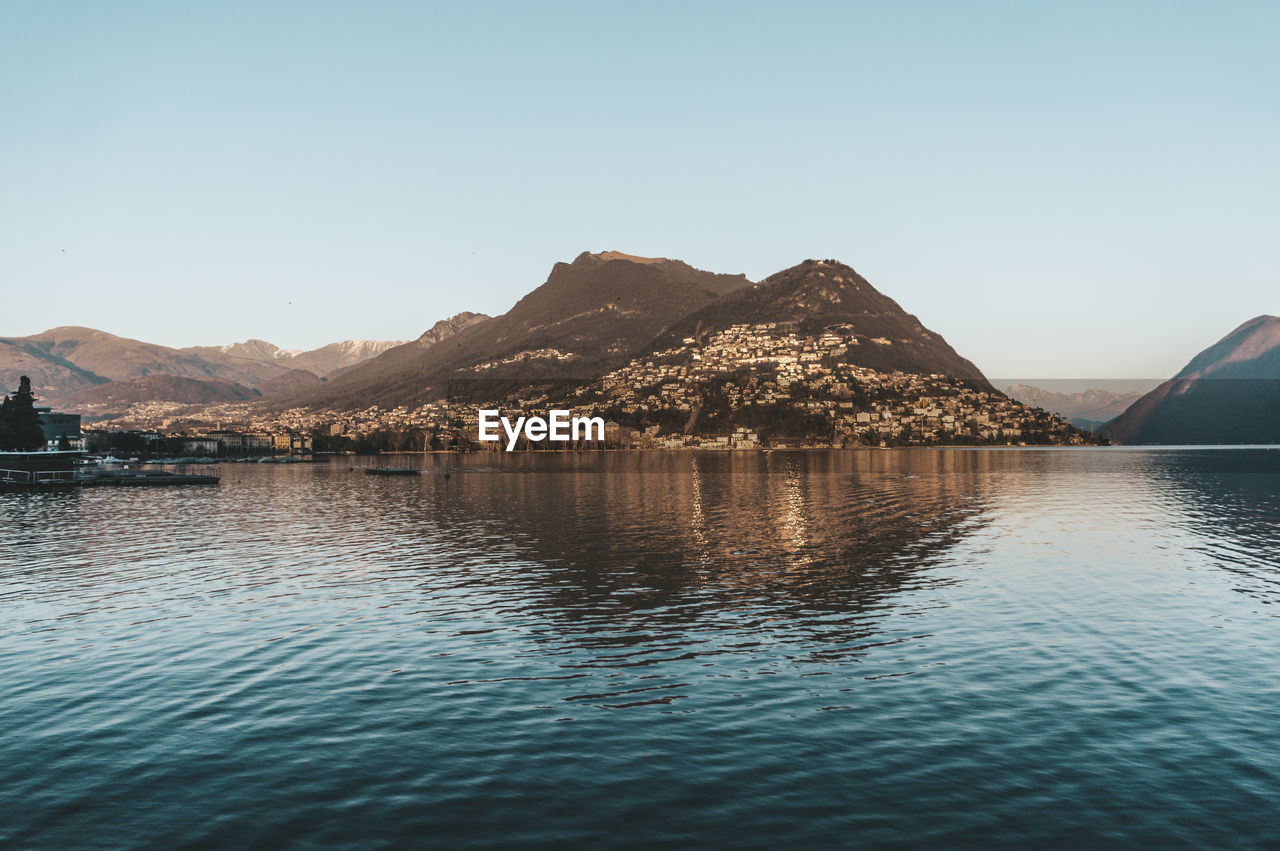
812, 356
321, 361
1229, 393
1086, 409
588, 316
67, 359
815, 294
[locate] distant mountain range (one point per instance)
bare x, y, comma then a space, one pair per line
610, 317
1087, 409
605, 313
65, 364
1229, 393
322, 361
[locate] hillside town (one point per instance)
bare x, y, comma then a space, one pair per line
768, 385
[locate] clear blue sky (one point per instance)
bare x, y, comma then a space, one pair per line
1073, 189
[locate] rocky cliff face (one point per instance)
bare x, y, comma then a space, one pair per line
446, 328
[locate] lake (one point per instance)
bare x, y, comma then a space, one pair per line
985, 647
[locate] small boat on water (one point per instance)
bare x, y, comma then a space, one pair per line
392, 471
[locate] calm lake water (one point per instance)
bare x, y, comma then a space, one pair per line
1066, 647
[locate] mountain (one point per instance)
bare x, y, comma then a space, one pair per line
64, 360
587, 317
293, 381
50, 374
1229, 393
335, 356
818, 294
119, 395
446, 328
253, 349
1087, 409
442, 330
812, 356
321, 361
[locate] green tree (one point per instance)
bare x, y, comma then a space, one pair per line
19, 423
129, 441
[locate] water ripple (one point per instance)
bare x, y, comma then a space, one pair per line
1071, 647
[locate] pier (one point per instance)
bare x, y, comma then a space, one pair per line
53, 471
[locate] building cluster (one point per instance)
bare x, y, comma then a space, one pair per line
768, 383
200, 443
525, 356
243, 444
436, 418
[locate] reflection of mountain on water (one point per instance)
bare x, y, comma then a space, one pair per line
804, 546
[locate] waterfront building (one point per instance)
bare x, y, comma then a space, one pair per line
200, 446
58, 426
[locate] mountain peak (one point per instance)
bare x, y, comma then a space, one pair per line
1259, 338
824, 280
76, 332
618, 255
255, 349
588, 317
832, 269
818, 265
1260, 320
818, 294
70, 329
590, 258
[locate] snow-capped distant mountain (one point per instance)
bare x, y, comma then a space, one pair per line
321, 361
256, 350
